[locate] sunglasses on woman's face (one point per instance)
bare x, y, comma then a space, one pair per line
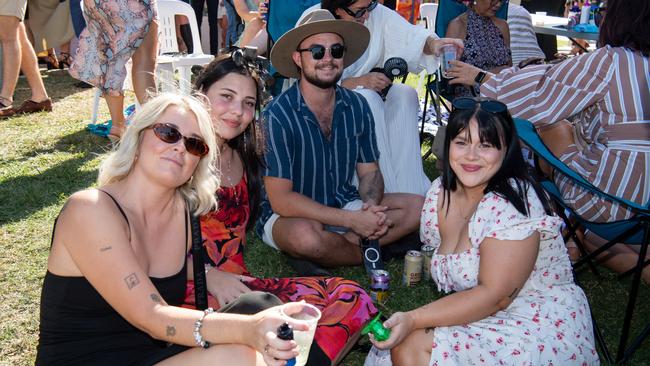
361, 12
492, 106
170, 134
337, 51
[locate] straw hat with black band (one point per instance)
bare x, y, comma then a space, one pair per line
355, 37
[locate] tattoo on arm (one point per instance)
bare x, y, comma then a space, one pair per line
171, 331
106, 248
131, 280
371, 187
156, 298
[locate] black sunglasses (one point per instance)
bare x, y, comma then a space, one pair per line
488, 105
361, 12
337, 51
170, 134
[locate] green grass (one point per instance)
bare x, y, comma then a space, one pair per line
46, 157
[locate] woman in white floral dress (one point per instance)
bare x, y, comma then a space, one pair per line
499, 252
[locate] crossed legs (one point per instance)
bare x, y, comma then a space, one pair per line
309, 239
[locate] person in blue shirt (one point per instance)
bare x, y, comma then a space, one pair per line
320, 136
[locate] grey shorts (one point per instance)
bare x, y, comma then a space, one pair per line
267, 236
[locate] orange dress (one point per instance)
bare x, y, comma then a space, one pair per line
344, 305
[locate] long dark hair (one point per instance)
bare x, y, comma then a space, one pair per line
249, 144
627, 24
497, 129
332, 5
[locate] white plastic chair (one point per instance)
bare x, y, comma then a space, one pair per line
169, 47
428, 12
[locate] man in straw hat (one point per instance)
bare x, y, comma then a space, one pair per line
319, 136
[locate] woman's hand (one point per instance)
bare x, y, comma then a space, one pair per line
400, 325
265, 340
462, 73
226, 287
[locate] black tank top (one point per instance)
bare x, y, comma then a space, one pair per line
78, 327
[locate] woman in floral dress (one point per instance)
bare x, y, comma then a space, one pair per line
498, 254
116, 31
234, 91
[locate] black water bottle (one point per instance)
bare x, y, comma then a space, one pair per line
285, 332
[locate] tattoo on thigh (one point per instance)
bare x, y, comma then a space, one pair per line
106, 248
156, 298
131, 280
171, 331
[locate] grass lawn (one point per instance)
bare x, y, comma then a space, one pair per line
46, 157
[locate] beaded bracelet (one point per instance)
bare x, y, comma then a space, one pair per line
197, 329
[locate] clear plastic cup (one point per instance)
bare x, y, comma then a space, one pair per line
448, 55
307, 314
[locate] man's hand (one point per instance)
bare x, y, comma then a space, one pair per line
382, 219
225, 287
372, 80
365, 223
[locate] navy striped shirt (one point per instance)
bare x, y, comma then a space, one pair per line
297, 150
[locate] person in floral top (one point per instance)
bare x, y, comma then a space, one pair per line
498, 254
234, 90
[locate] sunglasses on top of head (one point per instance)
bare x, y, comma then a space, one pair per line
337, 51
488, 105
170, 134
361, 12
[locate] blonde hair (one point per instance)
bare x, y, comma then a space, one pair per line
199, 190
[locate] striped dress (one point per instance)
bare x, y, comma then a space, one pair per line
607, 93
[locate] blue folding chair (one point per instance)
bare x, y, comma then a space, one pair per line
635, 230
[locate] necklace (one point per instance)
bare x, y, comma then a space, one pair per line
227, 174
467, 216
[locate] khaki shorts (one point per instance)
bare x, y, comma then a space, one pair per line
16, 8
267, 236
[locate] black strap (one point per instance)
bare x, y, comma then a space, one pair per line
200, 285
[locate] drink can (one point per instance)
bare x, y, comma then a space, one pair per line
427, 253
412, 268
379, 285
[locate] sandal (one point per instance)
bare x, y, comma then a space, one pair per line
64, 60
100, 129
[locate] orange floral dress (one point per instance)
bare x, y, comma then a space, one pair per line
344, 305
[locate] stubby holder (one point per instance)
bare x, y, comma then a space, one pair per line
285, 332
371, 255
377, 329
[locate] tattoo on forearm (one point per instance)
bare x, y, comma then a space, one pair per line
171, 331
131, 280
106, 248
514, 293
156, 298
371, 187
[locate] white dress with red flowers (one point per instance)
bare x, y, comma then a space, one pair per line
548, 323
